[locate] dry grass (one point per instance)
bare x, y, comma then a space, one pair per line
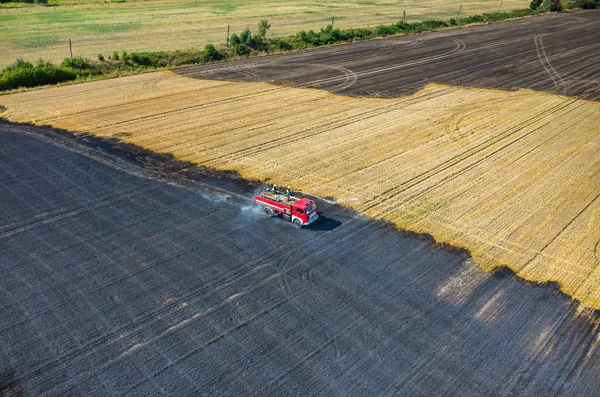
511, 176
43, 32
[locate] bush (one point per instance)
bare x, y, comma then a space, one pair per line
76, 63
184, 58
241, 49
235, 40
359, 34
383, 30
587, 4
280, 45
471, 19
535, 4
453, 21
263, 26
24, 74
246, 36
211, 53
555, 5
139, 58
101, 57
115, 55
432, 25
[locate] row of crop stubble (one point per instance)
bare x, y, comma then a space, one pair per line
511, 176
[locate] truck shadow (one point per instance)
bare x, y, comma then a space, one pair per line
324, 224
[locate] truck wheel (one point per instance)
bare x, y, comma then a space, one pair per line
268, 211
297, 223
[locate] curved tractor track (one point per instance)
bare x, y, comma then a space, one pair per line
552, 53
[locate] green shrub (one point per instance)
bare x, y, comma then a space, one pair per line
211, 53
434, 24
115, 55
280, 45
452, 21
246, 36
101, 57
140, 59
383, 30
587, 4
144, 59
235, 40
75, 63
263, 26
184, 57
24, 74
241, 49
555, 5
359, 34
471, 19
535, 4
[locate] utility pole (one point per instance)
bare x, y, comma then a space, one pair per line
71, 51
502, 1
332, 19
404, 17
227, 36
458, 13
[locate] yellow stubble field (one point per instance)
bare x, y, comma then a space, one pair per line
514, 177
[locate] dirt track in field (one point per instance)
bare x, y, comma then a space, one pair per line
124, 280
557, 53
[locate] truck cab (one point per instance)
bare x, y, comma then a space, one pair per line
305, 210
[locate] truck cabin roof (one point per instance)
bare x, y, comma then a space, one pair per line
303, 202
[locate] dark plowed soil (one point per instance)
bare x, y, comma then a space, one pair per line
557, 53
123, 276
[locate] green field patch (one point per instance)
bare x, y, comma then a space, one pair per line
115, 27
61, 17
191, 4
10, 17
224, 8
36, 42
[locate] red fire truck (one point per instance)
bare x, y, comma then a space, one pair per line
298, 210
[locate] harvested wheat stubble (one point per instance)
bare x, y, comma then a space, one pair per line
511, 176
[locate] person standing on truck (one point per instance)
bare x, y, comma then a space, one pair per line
274, 188
288, 192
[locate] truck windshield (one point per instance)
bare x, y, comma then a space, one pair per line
310, 209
